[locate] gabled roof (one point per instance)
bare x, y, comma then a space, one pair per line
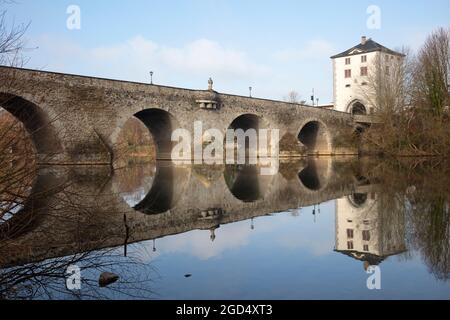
373, 259
368, 46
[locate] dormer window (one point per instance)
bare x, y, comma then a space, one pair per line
348, 61
355, 51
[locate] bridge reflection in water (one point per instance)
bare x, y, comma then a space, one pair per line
91, 208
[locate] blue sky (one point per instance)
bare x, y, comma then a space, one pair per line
273, 46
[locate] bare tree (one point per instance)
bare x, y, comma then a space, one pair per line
17, 166
24, 200
431, 73
387, 81
415, 190
292, 97
409, 96
17, 153
47, 279
11, 38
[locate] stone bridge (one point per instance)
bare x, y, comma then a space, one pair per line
78, 209
77, 120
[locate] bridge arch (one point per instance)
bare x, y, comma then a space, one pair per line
289, 145
309, 177
246, 183
314, 136
247, 122
316, 174
33, 205
152, 188
161, 124
357, 107
358, 200
36, 121
168, 188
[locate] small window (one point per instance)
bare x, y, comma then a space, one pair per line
364, 83
350, 245
348, 61
366, 222
366, 235
364, 71
363, 59
348, 85
388, 71
350, 233
366, 248
348, 73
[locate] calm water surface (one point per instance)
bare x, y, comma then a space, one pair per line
226, 232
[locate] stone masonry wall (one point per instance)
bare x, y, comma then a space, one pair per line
87, 114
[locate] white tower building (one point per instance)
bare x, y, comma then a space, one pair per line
351, 70
364, 232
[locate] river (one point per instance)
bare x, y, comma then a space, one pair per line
321, 228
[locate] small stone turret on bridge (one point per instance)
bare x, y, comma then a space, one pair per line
77, 119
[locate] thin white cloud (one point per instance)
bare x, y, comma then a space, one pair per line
205, 55
315, 49
198, 243
190, 65
126, 60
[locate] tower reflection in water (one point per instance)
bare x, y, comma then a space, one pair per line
364, 231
